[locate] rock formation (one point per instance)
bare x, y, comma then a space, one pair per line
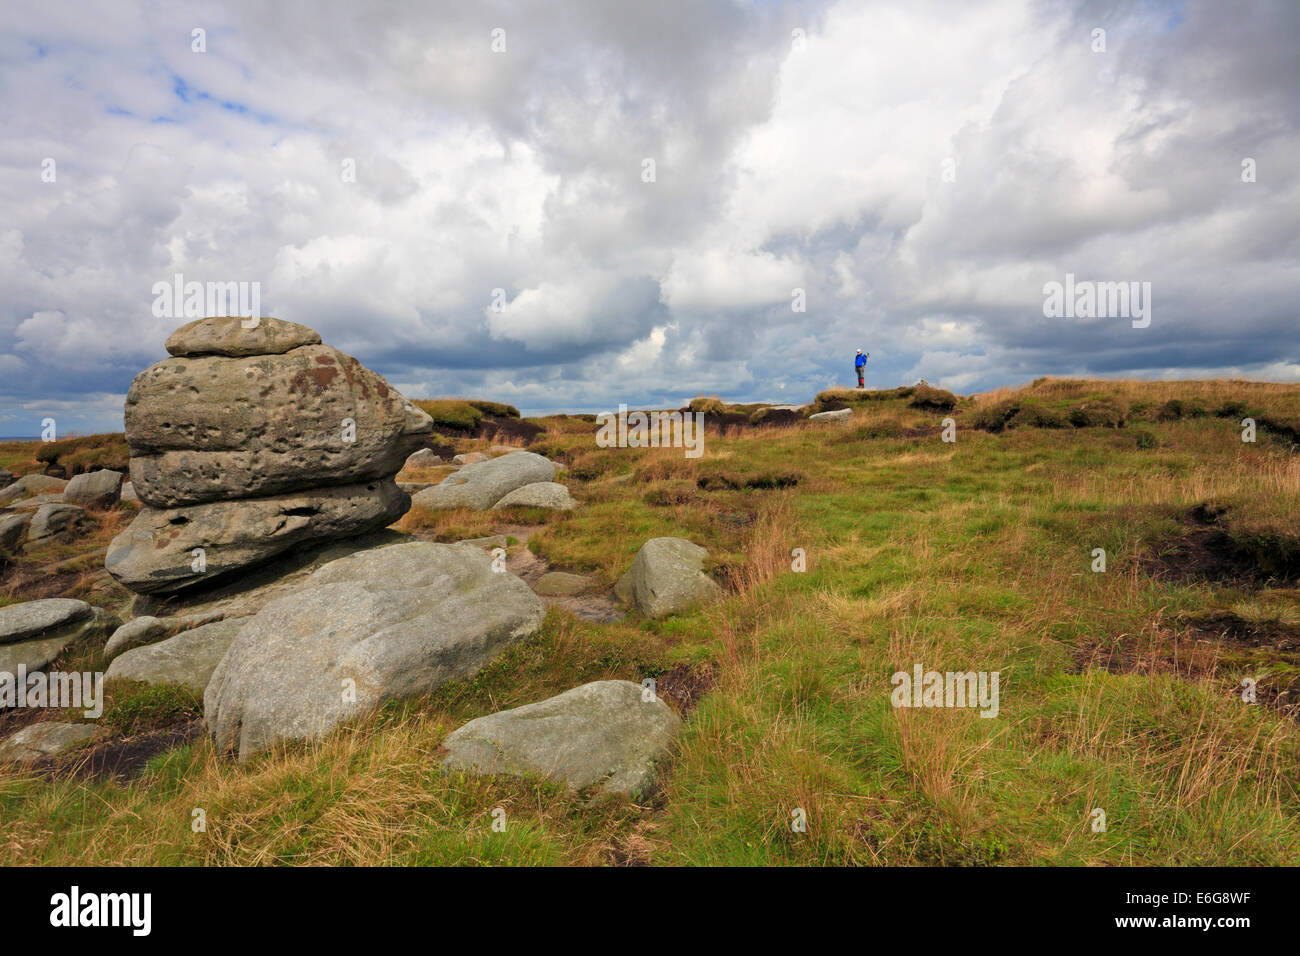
248, 442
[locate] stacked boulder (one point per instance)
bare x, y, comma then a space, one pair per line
250, 441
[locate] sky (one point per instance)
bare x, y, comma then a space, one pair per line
572, 205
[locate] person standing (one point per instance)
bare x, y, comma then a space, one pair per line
860, 363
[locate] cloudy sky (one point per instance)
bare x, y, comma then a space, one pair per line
919, 170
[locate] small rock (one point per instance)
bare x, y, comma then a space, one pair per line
54, 519
562, 584
135, 633
128, 492
488, 543
839, 414
666, 577
539, 494
33, 503
469, 458
94, 489
13, 528
600, 734
187, 659
45, 739
424, 458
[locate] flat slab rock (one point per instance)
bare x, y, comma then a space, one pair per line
32, 485
838, 415
188, 659
45, 739
36, 652
227, 335
31, 619
602, 734
375, 626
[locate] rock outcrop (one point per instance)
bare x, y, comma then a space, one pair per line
667, 577
605, 734
539, 494
249, 442
188, 659
375, 626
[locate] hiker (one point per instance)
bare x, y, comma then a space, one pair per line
860, 363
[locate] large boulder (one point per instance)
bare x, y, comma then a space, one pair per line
377, 625
667, 577
539, 494
482, 484
604, 734
188, 659
31, 485
156, 551
94, 489
228, 335
213, 427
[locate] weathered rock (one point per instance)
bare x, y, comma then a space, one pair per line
94, 489
483, 484
562, 584
51, 520
601, 734
188, 659
155, 552
375, 626
209, 428
839, 414
45, 739
469, 458
148, 629
539, 494
666, 578
226, 335
31, 485
6, 477
13, 529
32, 619
424, 458
128, 492
414, 487
30, 505
37, 652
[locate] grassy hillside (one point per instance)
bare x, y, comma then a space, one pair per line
1120, 689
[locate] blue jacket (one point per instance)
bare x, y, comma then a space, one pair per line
860, 361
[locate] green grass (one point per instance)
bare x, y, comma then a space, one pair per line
973, 555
